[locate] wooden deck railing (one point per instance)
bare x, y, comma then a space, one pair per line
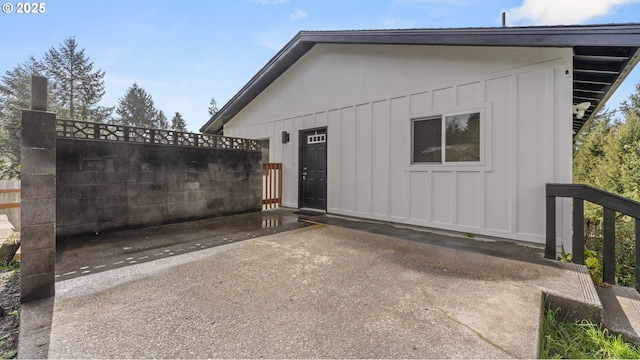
272, 185
611, 203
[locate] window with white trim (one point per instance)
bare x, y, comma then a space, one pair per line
449, 138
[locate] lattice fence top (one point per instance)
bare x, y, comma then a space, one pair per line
111, 132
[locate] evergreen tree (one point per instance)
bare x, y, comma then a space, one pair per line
136, 108
632, 105
178, 123
607, 154
162, 122
15, 95
623, 154
101, 114
589, 159
630, 149
76, 86
588, 150
213, 107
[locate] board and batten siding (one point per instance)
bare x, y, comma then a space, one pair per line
367, 97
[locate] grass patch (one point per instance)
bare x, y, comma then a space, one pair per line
582, 339
11, 266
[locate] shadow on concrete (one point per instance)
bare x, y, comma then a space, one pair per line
92, 254
501, 248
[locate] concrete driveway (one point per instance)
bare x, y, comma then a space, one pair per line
321, 291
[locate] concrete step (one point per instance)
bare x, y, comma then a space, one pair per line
574, 293
621, 307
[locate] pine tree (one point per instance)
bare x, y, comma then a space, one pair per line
101, 114
178, 123
623, 155
589, 158
630, 139
213, 107
632, 104
588, 151
136, 108
161, 121
607, 154
15, 95
76, 86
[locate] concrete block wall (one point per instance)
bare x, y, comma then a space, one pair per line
38, 204
104, 185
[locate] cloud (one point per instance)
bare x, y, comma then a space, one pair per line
299, 14
270, 2
444, 2
564, 12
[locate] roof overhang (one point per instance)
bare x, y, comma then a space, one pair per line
597, 73
603, 56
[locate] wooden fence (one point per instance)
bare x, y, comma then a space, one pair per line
272, 185
10, 201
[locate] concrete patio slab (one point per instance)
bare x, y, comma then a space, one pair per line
318, 292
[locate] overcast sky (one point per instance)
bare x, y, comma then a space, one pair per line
183, 53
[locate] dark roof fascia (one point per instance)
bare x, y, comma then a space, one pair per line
633, 61
541, 36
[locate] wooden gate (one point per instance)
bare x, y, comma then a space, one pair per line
272, 185
10, 201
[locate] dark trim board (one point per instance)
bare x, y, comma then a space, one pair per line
309, 212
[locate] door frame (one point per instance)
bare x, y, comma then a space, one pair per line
301, 144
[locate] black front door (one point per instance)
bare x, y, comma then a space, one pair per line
313, 169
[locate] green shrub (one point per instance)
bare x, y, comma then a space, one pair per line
625, 258
581, 339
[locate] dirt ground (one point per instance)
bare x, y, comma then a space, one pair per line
10, 320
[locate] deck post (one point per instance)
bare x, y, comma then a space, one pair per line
637, 231
578, 231
550, 248
609, 246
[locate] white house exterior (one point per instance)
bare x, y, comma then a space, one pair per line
455, 136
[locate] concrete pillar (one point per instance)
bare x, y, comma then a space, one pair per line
38, 202
39, 93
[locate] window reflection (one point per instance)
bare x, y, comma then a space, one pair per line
461, 139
